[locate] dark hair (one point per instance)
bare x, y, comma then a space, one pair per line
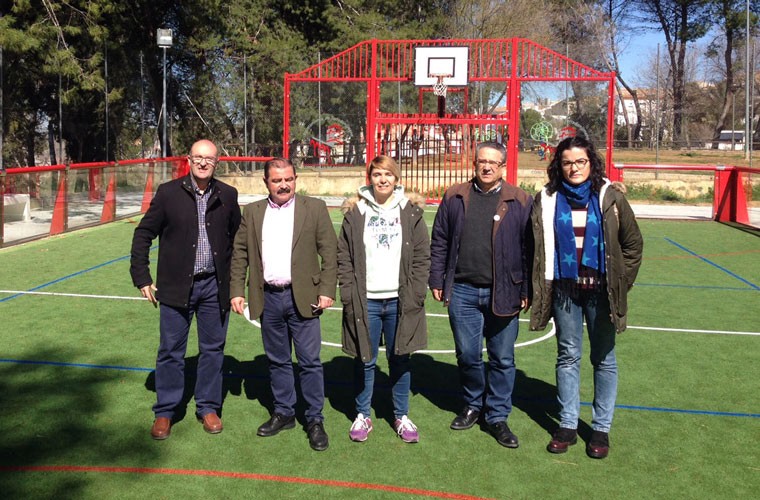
492, 145
596, 174
277, 163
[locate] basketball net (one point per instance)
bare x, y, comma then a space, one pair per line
439, 88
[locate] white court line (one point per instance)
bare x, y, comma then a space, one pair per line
684, 330
435, 315
422, 351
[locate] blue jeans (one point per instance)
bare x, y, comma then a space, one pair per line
472, 320
382, 316
170, 361
569, 312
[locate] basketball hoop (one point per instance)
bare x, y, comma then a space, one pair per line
439, 88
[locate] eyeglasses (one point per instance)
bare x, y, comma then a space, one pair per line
580, 163
197, 160
489, 163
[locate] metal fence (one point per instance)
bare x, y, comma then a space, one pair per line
43, 201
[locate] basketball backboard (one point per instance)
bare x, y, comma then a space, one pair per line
429, 61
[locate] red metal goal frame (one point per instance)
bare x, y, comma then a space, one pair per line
508, 60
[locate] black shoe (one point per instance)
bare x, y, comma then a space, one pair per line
275, 424
500, 430
599, 445
465, 419
562, 439
317, 435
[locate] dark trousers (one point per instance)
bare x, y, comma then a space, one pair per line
170, 362
281, 325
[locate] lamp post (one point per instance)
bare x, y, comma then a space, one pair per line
747, 108
164, 40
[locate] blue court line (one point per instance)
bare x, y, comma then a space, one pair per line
75, 365
708, 261
69, 276
689, 412
417, 389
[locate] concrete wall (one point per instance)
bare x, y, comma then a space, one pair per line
345, 182
321, 183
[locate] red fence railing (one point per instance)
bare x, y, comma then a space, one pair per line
49, 200
732, 187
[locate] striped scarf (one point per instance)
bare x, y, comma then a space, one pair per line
565, 254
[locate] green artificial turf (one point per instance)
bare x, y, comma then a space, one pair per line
76, 386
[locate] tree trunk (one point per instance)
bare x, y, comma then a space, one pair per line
625, 111
728, 94
51, 143
29, 140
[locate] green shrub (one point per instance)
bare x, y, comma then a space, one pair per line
652, 193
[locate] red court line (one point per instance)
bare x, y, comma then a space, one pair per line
240, 475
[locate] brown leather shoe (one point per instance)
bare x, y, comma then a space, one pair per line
562, 439
212, 423
161, 429
599, 445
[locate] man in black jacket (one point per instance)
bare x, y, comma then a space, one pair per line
195, 219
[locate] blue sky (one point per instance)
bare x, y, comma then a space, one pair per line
639, 52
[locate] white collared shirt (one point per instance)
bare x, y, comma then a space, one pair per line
277, 242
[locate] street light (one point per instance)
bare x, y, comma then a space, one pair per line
164, 40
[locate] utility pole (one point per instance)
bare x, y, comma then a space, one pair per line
747, 91
142, 108
164, 39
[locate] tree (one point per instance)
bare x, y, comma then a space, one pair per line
613, 32
682, 22
476, 19
731, 18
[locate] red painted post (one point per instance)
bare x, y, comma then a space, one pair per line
60, 209
109, 204
615, 172
148, 194
611, 127
373, 105
513, 115
286, 120
741, 213
729, 202
93, 175
180, 167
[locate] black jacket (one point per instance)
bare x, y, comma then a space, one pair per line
508, 240
173, 218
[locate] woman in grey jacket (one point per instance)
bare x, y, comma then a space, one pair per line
383, 267
587, 253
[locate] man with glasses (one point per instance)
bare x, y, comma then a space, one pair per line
195, 219
479, 271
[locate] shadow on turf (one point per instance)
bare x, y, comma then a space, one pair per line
339, 390
439, 383
249, 379
59, 415
436, 380
241, 378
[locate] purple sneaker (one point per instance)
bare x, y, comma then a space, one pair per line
406, 430
360, 429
